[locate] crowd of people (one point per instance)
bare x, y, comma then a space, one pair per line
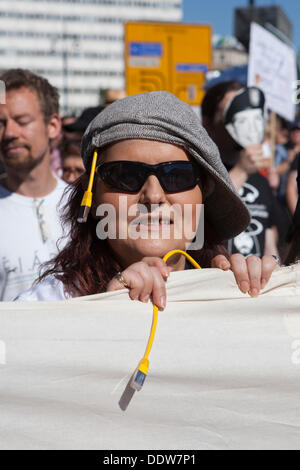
47, 160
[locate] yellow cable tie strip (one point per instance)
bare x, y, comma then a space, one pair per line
86, 202
141, 371
180, 252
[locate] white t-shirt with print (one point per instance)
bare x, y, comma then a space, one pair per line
30, 230
48, 290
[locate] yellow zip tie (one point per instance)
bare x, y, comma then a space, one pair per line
86, 202
141, 371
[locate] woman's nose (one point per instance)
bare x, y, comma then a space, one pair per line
152, 192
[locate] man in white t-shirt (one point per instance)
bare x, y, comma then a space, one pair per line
30, 193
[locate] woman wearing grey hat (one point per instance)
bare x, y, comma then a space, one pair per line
148, 150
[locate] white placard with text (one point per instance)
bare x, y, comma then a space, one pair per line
272, 67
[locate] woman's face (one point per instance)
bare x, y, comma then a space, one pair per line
165, 226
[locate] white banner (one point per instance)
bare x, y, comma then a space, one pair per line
272, 67
224, 369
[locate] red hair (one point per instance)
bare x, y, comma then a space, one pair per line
87, 264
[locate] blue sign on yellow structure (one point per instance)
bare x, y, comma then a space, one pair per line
171, 57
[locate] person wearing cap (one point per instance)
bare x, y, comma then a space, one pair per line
74, 130
149, 150
233, 117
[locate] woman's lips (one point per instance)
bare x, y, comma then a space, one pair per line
154, 223
154, 227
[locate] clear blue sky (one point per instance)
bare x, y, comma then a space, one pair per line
219, 13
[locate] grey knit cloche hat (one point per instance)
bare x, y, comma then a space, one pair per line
162, 117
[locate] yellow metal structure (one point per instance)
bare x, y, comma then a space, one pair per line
170, 57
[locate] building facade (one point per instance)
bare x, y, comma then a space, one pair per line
227, 58
77, 44
228, 52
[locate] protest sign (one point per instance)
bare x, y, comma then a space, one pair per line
224, 368
272, 67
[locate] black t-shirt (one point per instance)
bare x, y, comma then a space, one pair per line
265, 213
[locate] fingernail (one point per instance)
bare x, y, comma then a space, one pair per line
163, 302
224, 266
254, 292
263, 283
145, 300
166, 274
244, 286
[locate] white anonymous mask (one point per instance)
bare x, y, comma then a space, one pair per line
244, 117
247, 127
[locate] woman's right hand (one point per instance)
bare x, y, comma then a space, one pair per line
145, 279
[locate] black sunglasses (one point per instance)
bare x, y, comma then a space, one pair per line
130, 177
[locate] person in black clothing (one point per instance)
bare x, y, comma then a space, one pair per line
292, 188
293, 144
294, 253
243, 165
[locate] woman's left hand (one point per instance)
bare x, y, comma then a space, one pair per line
252, 274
